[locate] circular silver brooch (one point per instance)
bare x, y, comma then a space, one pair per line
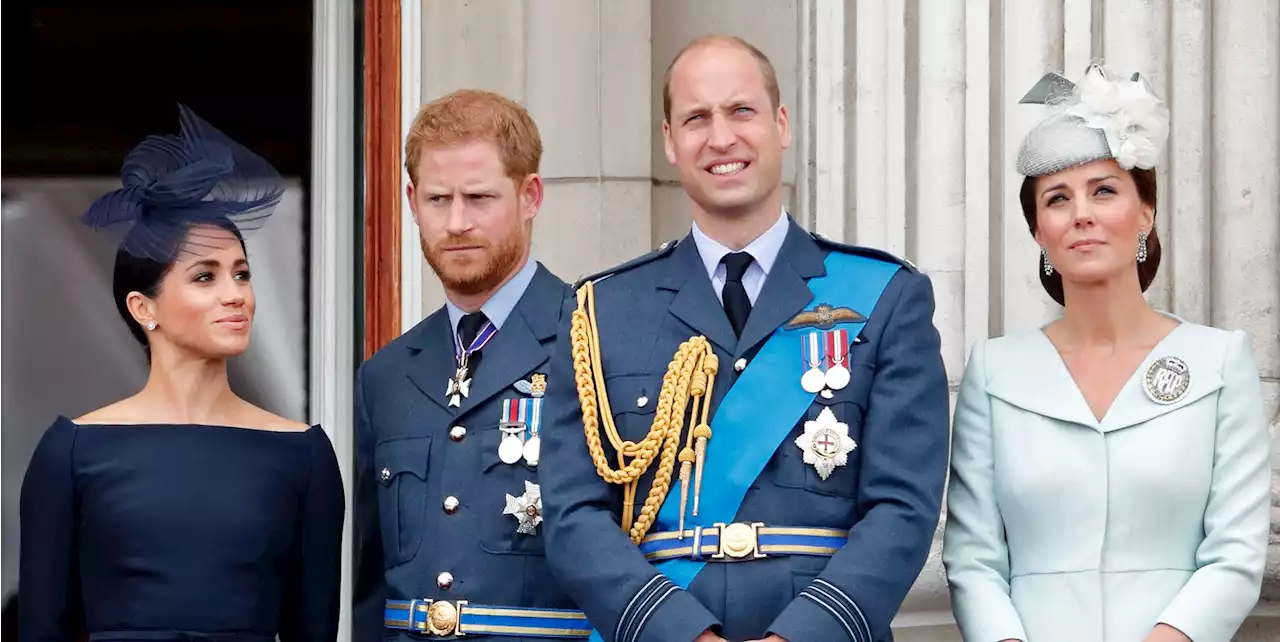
1167, 381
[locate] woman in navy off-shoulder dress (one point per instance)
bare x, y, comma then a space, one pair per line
183, 512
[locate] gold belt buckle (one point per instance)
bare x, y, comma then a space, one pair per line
441, 619
738, 541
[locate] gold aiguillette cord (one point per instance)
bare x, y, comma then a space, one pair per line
690, 376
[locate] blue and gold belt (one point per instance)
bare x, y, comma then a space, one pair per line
741, 541
439, 618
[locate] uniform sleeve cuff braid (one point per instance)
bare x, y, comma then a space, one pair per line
822, 612
661, 611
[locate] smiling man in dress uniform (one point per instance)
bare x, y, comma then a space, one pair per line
757, 445
448, 519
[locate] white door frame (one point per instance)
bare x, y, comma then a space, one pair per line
333, 219
411, 268
333, 267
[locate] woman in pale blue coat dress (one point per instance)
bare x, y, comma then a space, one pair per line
1110, 477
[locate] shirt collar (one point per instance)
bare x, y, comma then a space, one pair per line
764, 249
500, 305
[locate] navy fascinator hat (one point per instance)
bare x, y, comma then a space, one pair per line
173, 185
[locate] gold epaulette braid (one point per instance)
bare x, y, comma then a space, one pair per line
690, 376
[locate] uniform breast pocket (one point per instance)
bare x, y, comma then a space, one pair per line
507, 527
824, 427
633, 400
402, 499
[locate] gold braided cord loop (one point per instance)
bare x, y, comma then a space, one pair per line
690, 376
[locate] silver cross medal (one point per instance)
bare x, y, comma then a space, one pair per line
527, 509
459, 385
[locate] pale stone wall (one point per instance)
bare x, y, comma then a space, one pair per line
906, 123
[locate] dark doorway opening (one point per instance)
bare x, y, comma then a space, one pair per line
85, 80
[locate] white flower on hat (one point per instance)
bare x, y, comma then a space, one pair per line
1133, 120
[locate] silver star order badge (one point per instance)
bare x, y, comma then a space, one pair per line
826, 443
459, 387
527, 509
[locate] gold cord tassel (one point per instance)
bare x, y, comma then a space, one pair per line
686, 463
702, 433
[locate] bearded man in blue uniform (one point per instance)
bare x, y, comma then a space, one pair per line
448, 537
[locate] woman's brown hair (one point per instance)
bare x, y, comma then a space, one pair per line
1145, 180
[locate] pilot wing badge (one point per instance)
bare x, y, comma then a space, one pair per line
824, 317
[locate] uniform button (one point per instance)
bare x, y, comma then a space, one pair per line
457, 433
386, 475
642, 402
444, 580
740, 365
451, 504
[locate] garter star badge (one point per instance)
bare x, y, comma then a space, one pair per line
527, 509
826, 443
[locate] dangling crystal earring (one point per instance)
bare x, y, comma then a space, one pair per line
1142, 247
1048, 265
151, 325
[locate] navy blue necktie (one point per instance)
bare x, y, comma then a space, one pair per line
737, 305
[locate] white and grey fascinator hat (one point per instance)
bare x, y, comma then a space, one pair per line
1102, 117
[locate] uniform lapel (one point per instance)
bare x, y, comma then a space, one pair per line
517, 348
785, 292
433, 363
695, 302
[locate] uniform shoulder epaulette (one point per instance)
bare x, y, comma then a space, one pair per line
662, 251
860, 250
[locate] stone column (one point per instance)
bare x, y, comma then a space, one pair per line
1245, 201
581, 68
1031, 44
1126, 54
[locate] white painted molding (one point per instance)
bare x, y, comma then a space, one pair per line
803, 113
978, 142
1078, 36
869, 167
895, 130
829, 172
411, 270
333, 268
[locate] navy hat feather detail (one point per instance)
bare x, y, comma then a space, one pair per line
173, 185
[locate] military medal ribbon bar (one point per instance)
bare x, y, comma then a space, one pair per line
513, 425
837, 376
521, 425
533, 445
813, 352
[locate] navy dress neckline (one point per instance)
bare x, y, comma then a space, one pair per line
163, 532
161, 424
